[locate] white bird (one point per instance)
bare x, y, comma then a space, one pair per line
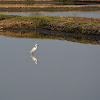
34, 48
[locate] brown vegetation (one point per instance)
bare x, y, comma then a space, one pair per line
74, 25
31, 8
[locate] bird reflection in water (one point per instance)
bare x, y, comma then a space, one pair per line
34, 59
32, 53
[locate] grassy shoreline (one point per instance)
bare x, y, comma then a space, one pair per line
28, 8
73, 25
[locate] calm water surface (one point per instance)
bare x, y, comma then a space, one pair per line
94, 14
64, 70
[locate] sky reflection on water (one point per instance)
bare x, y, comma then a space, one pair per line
66, 70
94, 14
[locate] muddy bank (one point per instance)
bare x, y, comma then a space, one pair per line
73, 25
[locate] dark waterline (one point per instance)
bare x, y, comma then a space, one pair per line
46, 34
52, 2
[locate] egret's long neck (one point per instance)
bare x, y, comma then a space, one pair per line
36, 46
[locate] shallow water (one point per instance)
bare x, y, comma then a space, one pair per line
64, 70
94, 14
17, 5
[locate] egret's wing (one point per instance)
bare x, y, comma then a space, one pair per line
31, 51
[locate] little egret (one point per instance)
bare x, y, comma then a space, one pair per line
34, 49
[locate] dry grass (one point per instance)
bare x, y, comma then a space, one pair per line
75, 25
32, 8
52, 6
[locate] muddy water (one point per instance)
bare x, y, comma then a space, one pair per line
58, 70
